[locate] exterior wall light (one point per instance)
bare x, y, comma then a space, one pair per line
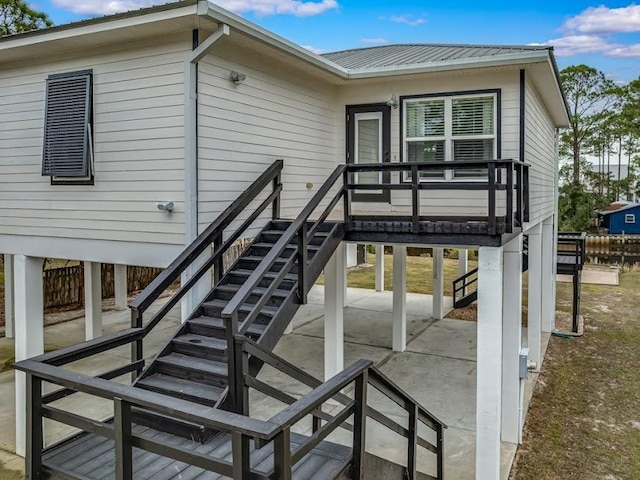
165, 206
237, 77
393, 102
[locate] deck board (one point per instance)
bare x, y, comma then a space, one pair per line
90, 456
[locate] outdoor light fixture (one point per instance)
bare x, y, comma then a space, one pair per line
165, 206
393, 101
237, 77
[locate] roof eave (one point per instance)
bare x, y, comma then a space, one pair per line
220, 15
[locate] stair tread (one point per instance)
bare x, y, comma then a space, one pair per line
189, 362
280, 232
289, 245
246, 273
205, 321
183, 388
201, 340
219, 303
234, 287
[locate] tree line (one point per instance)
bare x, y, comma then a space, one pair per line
604, 130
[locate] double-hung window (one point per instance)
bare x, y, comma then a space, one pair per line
450, 128
67, 155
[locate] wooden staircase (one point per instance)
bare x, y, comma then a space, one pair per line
194, 365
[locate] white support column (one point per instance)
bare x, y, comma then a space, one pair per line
29, 330
463, 261
9, 305
511, 340
120, 286
438, 283
489, 366
92, 300
399, 298
379, 268
534, 319
333, 313
548, 308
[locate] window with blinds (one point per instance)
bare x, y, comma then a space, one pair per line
449, 129
67, 149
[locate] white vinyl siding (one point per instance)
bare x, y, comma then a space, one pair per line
438, 202
138, 149
540, 153
273, 114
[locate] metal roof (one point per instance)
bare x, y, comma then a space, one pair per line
412, 54
622, 208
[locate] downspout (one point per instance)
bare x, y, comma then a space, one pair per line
191, 131
196, 294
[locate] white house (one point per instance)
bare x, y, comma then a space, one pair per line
122, 138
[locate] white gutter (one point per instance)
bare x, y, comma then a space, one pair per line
220, 15
191, 131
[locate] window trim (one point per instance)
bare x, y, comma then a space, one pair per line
448, 137
71, 180
630, 218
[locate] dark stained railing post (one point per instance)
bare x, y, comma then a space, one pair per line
218, 265
360, 424
231, 329
415, 199
137, 352
525, 190
509, 212
34, 432
277, 183
346, 198
282, 455
302, 264
440, 455
491, 171
122, 439
241, 361
241, 456
519, 197
412, 450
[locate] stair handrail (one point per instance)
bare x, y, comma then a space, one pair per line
364, 373
296, 229
465, 284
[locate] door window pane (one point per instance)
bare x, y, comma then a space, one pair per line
368, 148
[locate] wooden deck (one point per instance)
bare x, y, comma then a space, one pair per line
90, 456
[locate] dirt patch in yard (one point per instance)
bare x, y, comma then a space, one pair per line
584, 421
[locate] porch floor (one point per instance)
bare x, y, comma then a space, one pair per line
438, 369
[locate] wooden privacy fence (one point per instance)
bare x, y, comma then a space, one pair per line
64, 286
615, 248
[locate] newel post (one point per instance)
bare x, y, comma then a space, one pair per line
137, 352
34, 431
360, 424
122, 439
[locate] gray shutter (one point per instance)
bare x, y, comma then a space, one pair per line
67, 116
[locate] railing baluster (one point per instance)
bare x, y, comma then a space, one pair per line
440, 456
415, 199
241, 456
137, 352
218, 265
346, 200
492, 198
525, 190
282, 455
519, 205
412, 450
122, 439
34, 432
302, 264
360, 424
509, 211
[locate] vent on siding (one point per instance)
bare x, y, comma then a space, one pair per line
67, 125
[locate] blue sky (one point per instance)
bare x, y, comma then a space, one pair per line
605, 35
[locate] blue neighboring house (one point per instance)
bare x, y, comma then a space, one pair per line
625, 219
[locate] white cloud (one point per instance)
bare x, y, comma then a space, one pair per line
374, 41
592, 31
300, 8
315, 50
577, 44
605, 20
407, 20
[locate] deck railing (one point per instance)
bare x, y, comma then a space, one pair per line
572, 249
491, 176
242, 429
